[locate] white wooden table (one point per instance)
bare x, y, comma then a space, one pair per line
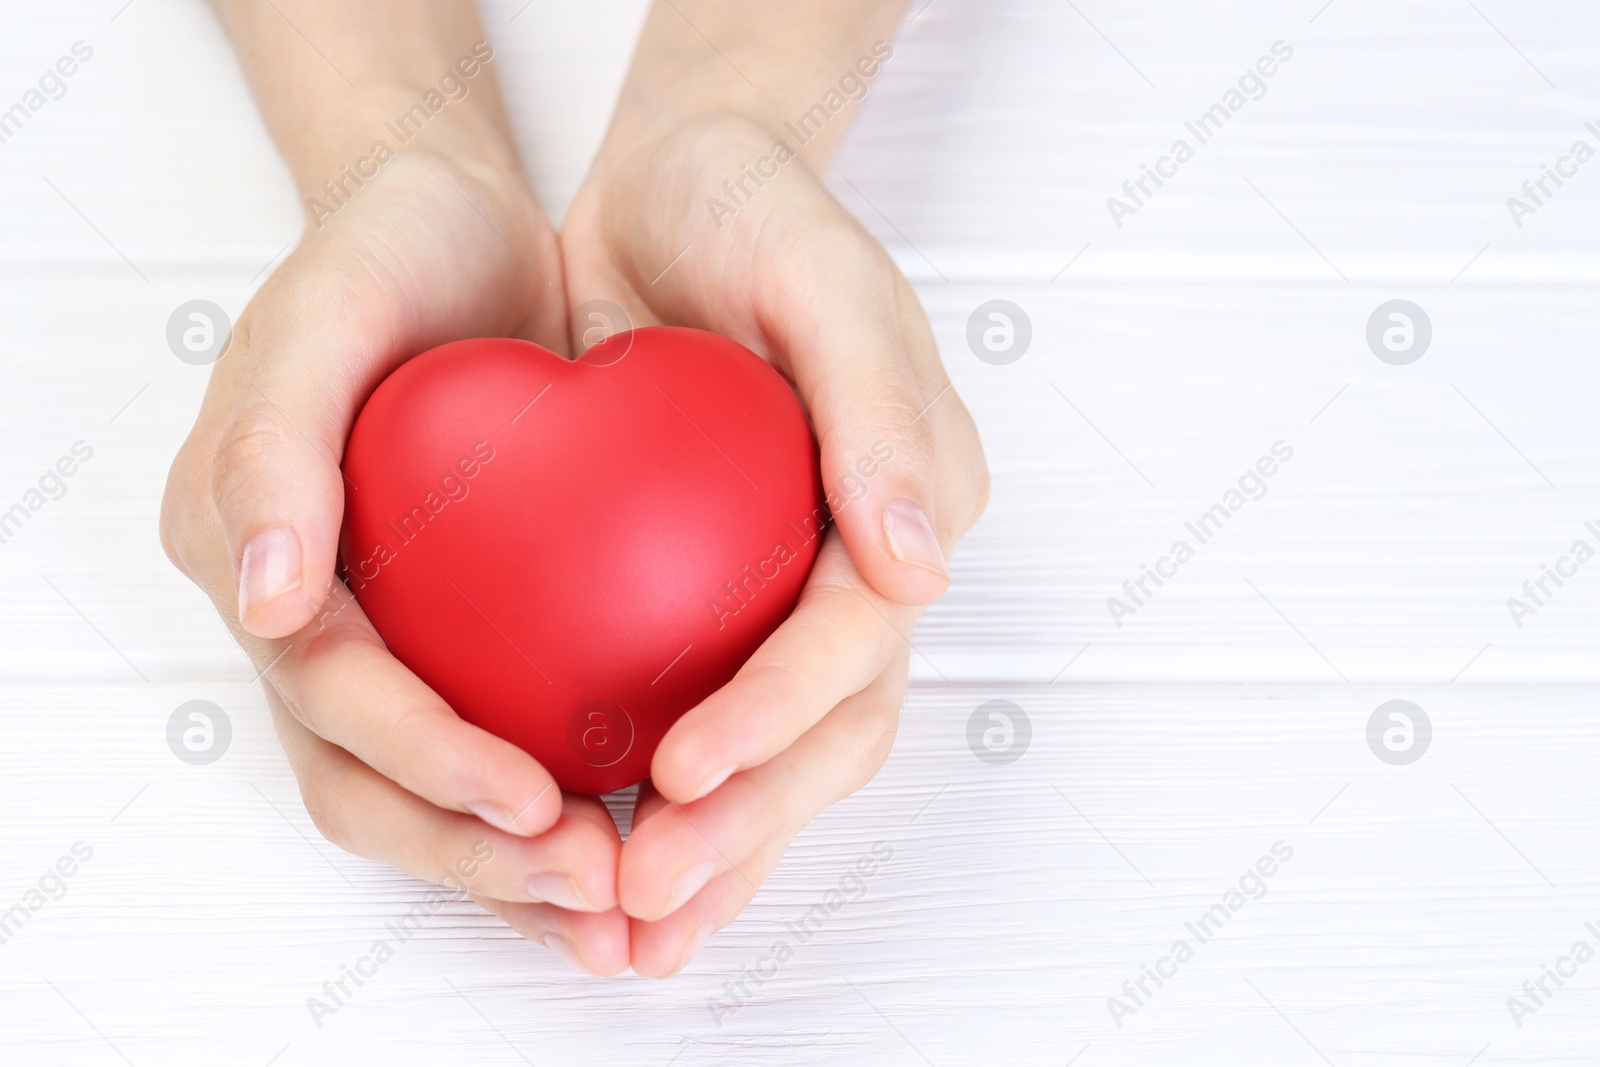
1228, 713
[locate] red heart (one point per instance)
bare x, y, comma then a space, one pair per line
574, 553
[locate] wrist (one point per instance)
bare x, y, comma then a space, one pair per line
455, 116
809, 92
384, 78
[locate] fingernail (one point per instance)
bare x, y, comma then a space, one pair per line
687, 885
494, 815
559, 889
269, 569
911, 537
716, 778
696, 941
563, 948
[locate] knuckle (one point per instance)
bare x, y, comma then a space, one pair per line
302, 714
782, 678
256, 434
848, 609
833, 596
335, 638
325, 810
900, 416
974, 463
894, 410
881, 724
171, 530
168, 532
878, 426
182, 498
876, 753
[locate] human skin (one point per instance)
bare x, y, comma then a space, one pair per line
447, 241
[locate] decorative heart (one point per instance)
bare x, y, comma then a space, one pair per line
574, 553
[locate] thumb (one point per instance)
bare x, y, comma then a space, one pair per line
316, 341
278, 491
848, 356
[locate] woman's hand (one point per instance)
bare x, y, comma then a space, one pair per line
444, 241
812, 716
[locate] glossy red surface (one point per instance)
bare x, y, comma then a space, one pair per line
574, 553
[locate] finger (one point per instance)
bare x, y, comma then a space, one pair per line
339, 681
279, 498
839, 638
679, 848
662, 949
572, 865
963, 481
596, 943
852, 368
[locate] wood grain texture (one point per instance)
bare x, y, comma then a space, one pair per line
1168, 753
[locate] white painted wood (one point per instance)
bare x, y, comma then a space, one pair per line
1225, 715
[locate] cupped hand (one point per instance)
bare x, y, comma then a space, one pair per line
431, 250
782, 268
